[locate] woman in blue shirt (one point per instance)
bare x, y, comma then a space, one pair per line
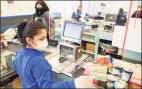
30, 64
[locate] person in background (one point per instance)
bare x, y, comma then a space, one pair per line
31, 65
138, 13
121, 18
79, 12
101, 13
42, 13
41, 8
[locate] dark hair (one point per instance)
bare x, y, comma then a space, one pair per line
30, 29
102, 4
40, 1
121, 11
80, 6
45, 7
121, 14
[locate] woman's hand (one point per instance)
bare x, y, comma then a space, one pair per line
3, 41
84, 82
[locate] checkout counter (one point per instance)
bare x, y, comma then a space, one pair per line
52, 55
9, 52
63, 71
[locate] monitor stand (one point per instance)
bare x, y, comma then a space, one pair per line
76, 51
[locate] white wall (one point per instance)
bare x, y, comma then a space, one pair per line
93, 7
17, 8
27, 7
66, 7
133, 39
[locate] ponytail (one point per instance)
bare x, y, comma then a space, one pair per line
20, 30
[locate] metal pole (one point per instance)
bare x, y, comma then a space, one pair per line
125, 36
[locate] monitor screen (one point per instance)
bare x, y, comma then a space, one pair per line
73, 31
111, 17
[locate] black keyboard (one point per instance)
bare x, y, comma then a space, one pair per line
62, 59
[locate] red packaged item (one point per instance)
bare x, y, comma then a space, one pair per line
87, 72
95, 81
135, 81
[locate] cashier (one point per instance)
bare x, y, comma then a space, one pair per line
79, 12
138, 13
121, 18
32, 67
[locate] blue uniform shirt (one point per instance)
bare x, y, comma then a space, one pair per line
79, 12
35, 71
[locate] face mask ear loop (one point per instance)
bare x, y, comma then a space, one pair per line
33, 45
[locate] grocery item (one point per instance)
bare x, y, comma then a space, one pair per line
99, 69
95, 81
1, 67
120, 84
90, 47
135, 81
99, 72
9, 34
113, 71
110, 84
112, 77
96, 87
104, 61
103, 83
126, 74
119, 68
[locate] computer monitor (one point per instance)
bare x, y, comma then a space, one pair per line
111, 18
73, 31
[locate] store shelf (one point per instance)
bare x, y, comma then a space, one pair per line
88, 40
92, 33
87, 52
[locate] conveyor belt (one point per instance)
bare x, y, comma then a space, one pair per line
13, 47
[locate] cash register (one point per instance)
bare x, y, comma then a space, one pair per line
72, 34
110, 20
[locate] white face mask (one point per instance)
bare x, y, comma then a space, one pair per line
139, 9
41, 45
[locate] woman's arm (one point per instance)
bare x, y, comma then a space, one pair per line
43, 75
